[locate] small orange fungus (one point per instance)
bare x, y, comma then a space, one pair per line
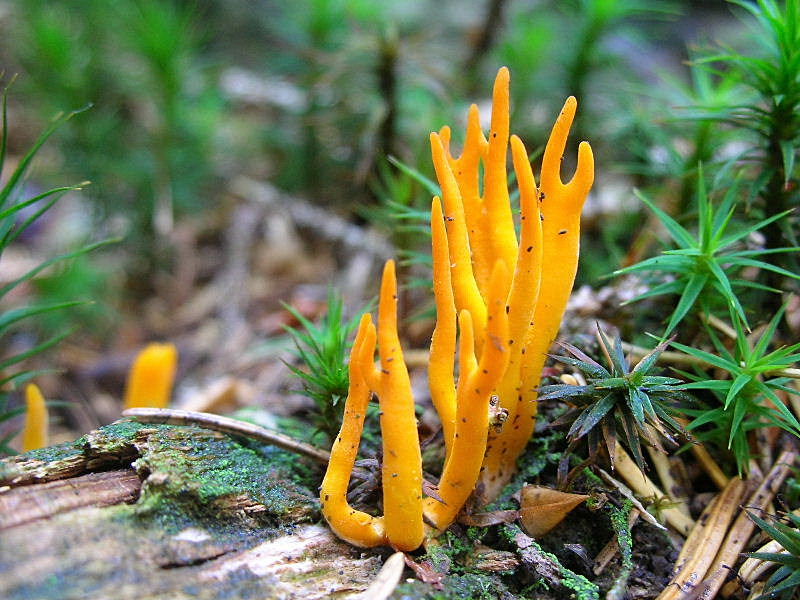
34, 435
151, 377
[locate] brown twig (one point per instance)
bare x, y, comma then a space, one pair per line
169, 416
743, 526
703, 541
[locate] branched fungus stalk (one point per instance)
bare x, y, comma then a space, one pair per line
402, 458
476, 381
500, 297
545, 259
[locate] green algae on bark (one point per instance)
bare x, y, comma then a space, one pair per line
208, 472
210, 475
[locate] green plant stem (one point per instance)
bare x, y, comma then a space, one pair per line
778, 196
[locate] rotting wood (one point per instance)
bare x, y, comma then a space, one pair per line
198, 529
311, 563
22, 505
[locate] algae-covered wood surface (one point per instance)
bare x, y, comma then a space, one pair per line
157, 511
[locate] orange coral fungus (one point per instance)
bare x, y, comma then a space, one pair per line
467, 403
34, 436
481, 230
502, 295
401, 526
151, 377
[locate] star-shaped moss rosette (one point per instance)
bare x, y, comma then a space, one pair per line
618, 401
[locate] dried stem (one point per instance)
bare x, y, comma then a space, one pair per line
169, 416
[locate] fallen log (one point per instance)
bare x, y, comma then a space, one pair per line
137, 510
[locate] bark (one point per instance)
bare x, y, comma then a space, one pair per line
159, 511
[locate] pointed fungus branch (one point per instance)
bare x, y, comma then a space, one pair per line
402, 458
499, 296
443, 341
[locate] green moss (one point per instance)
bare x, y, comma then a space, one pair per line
53, 453
300, 471
442, 553
619, 521
203, 472
593, 480
474, 586
116, 435
579, 587
583, 588
534, 460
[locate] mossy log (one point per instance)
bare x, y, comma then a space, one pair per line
157, 511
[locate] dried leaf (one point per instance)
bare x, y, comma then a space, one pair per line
431, 490
541, 508
425, 572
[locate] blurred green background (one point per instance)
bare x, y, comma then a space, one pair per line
313, 96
